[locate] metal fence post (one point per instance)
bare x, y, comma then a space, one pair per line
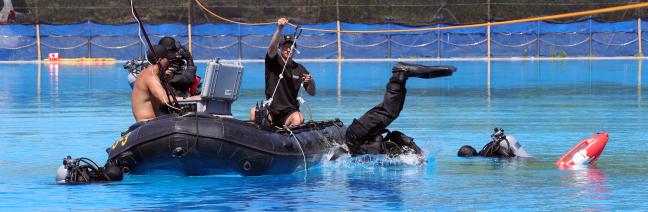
339, 42
189, 24
38, 42
538, 38
639, 37
89, 46
439, 42
389, 36
240, 43
389, 46
339, 60
488, 38
339, 36
591, 53
488, 58
339, 50
89, 40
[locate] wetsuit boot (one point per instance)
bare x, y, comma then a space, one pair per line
421, 71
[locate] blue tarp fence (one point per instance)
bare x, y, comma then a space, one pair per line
230, 41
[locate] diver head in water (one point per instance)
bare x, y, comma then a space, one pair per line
467, 151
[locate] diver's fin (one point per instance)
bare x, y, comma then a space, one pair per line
339, 152
421, 71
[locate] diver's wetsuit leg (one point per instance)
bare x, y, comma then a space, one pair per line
374, 121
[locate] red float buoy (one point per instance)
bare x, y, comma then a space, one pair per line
585, 152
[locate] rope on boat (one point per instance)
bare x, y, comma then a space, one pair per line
300, 148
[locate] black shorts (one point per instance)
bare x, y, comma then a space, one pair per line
279, 118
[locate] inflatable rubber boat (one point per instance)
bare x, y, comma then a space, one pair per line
204, 144
209, 140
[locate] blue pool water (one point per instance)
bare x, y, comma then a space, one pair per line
547, 105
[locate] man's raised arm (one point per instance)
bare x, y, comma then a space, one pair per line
272, 48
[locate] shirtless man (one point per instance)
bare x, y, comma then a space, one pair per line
148, 94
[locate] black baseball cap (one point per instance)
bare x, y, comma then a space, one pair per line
169, 43
160, 51
287, 41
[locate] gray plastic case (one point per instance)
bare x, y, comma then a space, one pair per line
222, 81
220, 89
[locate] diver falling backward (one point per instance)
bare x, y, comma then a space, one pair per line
364, 135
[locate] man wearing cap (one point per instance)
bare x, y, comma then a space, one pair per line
148, 92
284, 106
184, 80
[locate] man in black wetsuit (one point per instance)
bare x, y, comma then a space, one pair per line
184, 80
283, 79
364, 135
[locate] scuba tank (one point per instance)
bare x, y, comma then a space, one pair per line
84, 170
502, 145
134, 67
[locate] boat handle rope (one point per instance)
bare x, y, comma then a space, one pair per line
300, 148
302, 101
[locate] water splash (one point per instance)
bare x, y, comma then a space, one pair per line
372, 161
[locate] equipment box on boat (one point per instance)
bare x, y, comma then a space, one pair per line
220, 89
